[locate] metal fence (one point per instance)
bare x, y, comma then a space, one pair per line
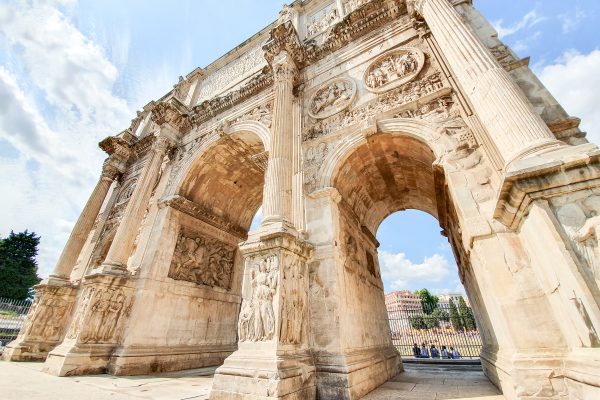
440, 326
12, 316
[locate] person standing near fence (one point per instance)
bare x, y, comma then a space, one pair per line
424, 351
455, 353
445, 352
434, 352
416, 351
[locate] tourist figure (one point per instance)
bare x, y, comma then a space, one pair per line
434, 352
445, 352
455, 353
424, 351
416, 351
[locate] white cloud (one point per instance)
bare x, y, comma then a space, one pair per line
399, 272
530, 19
55, 134
570, 21
574, 83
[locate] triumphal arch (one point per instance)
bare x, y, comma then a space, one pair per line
336, 115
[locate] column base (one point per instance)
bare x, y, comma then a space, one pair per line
23, 351
109, 268
252, 375
353, 375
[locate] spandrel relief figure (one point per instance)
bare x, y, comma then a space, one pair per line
257, 318
332, 98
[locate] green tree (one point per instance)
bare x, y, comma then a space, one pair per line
455, 318
18, 267
429, 302
466, 315
417, 321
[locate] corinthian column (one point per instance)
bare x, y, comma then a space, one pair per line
277, 198
514, 126
83, 226
122, 244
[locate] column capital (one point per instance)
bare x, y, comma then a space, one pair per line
284, 68
415, 7
111, 169
284, 38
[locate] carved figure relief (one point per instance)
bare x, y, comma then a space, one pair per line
313, 159
581, 221
352, 261
182, 89
393, 69
405, 96
322, 20
262, 114
293, 305
257, 318
202, 260
127, 191
46, 318
107, 309
79, 316
331, 98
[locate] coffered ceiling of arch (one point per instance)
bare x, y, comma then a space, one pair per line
388, 174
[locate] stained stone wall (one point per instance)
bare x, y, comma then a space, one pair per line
336, 115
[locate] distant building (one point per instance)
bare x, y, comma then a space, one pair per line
444, 299
402, 301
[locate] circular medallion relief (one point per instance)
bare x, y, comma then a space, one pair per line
394, 68
332, 97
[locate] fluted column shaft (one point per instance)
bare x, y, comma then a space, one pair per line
122, 244
277, 198
85, 222
511, 121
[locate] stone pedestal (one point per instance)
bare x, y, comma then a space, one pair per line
273, 360
45, 325
103, 306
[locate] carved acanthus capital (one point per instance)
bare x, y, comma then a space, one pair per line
284, 68
171, 112
286, 14
415, 7
111, 169
285, 38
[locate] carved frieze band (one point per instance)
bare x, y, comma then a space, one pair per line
202, 260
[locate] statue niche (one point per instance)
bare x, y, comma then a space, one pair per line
202, 260
393, 69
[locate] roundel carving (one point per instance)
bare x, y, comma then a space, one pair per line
332, 97
393, 69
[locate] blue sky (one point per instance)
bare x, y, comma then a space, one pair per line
73, 72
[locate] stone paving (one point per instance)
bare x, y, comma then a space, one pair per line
26, 381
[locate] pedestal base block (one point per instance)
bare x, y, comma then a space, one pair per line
351, 376
248, 376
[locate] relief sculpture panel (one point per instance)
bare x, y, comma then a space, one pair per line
100, 315
331, 98
202, 260
394, 68
257, 317
294, 298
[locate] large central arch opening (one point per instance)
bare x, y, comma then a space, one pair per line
386, 174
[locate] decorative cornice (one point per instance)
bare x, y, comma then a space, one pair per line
171, 112
118, 147
368, 17
202, 213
